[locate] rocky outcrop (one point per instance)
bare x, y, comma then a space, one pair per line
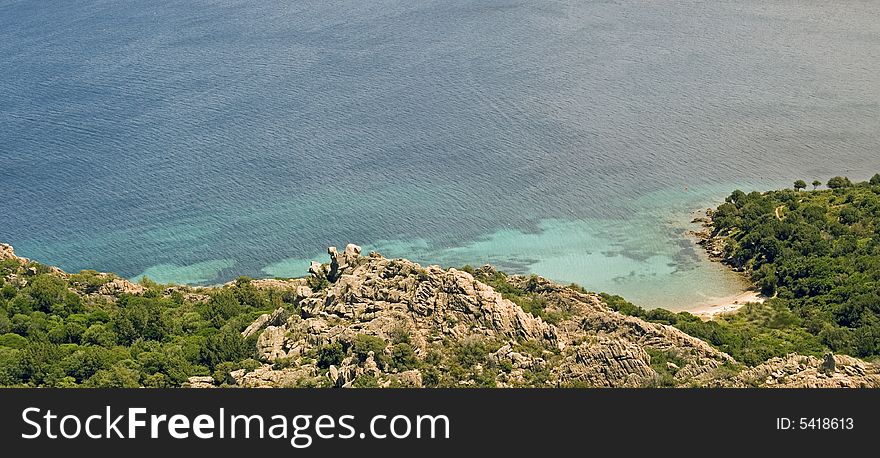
200, 382
269, 377
6, 253
621, 342
437, 312
120, 286
798, 371
715, 245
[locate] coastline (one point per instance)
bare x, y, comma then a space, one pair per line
713, 247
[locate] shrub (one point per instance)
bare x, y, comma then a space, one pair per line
223, 346
366, 381
11, 340
364, 344
331, 354
403, 357
471, 352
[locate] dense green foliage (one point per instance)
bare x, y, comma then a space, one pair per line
817, 253
52, 336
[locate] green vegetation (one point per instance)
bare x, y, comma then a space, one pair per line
364, 344
666, 364
330, 355
54, 333
820, 259
755, 334
839, 182
816, 253
403, 357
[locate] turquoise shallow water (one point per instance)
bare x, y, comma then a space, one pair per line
648, 255
203, 140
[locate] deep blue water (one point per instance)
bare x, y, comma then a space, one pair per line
197, 141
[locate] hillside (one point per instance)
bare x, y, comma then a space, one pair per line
817, 253
358, 321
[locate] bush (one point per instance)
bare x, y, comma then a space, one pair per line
222, 306
222, 372
365, 381
399, 334
317, 282
364, 344
139, 318
5, 324
250, 365
330, 355
282, 363
403, 357
50, 294
99, 334
839, 182
121, 375
471, 352
10, 340
224, 346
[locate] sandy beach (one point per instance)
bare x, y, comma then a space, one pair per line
710, 309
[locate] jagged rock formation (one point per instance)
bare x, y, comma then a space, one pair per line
6, 252
798, 371
439, 312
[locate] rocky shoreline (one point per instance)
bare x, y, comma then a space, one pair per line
715, 246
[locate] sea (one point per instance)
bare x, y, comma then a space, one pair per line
199, 141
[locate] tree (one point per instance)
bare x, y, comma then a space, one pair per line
800, 184
839, 182
403, 357
875, 180
12, 340
9, 367
365, 343
121, 375
223, 346
849, 215
816, 184
50, 294
330, 355
86, 361
247, 294
98, 334
222, 306
139, 318
39, 364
